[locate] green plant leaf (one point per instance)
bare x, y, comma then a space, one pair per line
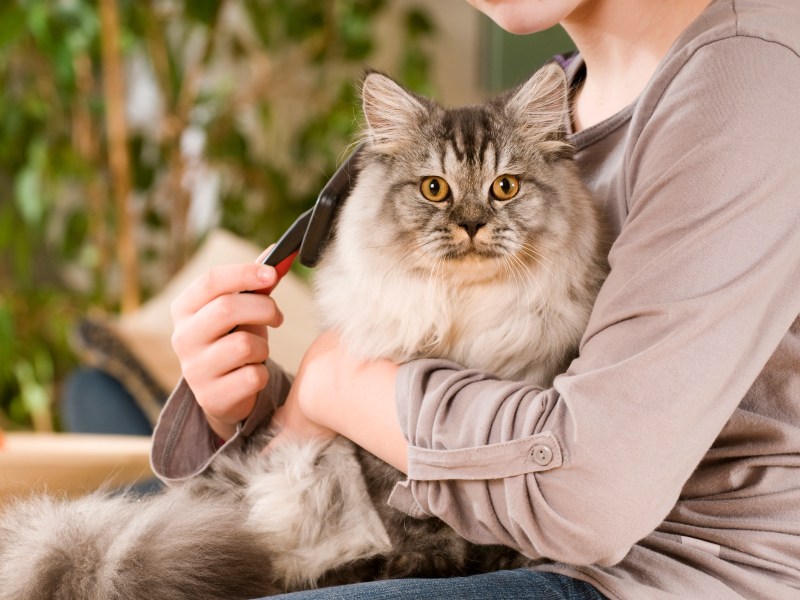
28, 194
12, 25
33, 392
204, 11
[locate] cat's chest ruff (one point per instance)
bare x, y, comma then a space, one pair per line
495, 326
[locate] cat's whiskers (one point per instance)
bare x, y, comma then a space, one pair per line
435, 272
519, 283
392, 245
412, 252
545, 306
433, 236
524, 289
506, 236
541, 244
536, 256
440, 272
531, 252
430, 291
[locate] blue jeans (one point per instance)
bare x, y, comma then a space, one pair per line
95, 402
518, 584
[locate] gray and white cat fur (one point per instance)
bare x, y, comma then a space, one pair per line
505, 286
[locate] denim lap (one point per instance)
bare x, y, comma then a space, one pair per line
518, 584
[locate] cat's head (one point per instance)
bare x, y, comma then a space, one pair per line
477, 185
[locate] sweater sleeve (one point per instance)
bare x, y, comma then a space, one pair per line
184, 444
703, 286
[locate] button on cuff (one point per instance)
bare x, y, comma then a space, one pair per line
534, 453
541, 455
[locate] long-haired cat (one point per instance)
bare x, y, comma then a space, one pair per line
467, 236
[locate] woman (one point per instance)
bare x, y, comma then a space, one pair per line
678, 426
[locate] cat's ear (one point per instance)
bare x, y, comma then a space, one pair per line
541, 106
390, 111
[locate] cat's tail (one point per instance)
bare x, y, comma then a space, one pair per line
169, 546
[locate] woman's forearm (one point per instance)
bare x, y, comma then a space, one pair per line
334, 391
365, 410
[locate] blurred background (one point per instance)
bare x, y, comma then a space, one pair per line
130, 129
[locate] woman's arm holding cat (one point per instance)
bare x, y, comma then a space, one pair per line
702, 289
333, 392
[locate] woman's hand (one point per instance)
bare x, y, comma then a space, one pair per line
225, 367
335, 393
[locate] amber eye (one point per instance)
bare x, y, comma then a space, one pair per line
435, 189
505, 187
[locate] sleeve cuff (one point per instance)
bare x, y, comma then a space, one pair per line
183, 443
495, 461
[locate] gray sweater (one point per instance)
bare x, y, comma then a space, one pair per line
666, 462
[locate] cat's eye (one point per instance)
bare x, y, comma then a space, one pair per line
505, 187
435, 189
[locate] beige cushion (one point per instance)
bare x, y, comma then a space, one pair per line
71, 464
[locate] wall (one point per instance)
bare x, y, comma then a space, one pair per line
473, 56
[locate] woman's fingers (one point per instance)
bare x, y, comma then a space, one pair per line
221, 315
221, 281
230, 398
236, 350
227, 372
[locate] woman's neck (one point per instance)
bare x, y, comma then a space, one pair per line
622, 43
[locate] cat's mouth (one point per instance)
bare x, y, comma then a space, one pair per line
471, 266
473, 251
478, 246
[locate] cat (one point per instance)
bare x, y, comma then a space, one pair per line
468, 236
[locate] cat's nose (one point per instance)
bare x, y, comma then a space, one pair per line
472, 227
